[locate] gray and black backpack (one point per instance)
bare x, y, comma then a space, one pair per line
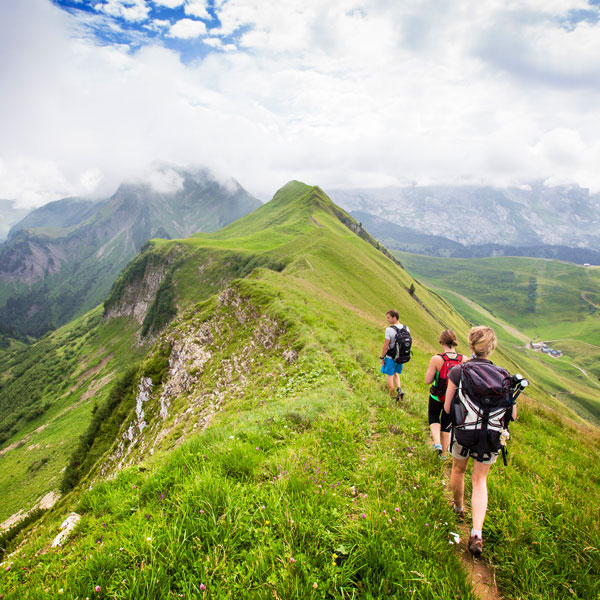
401, 350
481, 408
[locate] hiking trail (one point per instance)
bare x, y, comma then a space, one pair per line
481, 574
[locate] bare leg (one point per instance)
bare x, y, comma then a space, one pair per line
390, 383
479, 497
435, 432
445, 441
457, 480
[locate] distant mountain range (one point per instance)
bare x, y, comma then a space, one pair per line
396, 237
62, 258
534, 216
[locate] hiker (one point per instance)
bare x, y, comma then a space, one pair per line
395, 352
437, 374
482, 342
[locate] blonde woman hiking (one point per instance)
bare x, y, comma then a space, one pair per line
437, 374
475, 379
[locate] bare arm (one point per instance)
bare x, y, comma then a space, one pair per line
384, 350
432, 369
450, 391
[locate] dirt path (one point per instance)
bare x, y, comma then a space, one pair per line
481, 574
584, 297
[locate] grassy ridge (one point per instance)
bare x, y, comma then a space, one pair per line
292, 490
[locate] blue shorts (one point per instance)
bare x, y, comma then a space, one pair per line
390, 367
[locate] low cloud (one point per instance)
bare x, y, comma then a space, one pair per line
163, 180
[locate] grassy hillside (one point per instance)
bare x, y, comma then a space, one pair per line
545, 300
269, 461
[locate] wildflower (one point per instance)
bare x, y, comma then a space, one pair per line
397, 509
8, 568
61, 591
363, 516
202, 587
97, 589
315, 585
148, 539
426, 524
267, 522
292, 559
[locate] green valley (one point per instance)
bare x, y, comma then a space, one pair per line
530, 299
221, 429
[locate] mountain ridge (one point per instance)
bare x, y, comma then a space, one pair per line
280, 466
535, 215
62, 259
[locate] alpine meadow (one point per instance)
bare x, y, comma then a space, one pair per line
219, 427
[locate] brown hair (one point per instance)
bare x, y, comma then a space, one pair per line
393, 313
482, 340
448, 338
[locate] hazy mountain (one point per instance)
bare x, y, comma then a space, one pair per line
9, 215
538, 215
397, 237
62, 258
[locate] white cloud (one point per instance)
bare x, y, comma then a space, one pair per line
159, 24
130, 10
197, 8
169, 3
162, 179
187, 29
344, 93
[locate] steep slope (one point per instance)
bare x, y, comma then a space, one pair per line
257, 455
62, 259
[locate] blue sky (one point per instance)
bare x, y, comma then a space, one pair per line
343, 93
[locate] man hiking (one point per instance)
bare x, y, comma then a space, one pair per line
395, 352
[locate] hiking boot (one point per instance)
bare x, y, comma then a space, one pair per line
460, 514
475, 546
437, 448
399, 395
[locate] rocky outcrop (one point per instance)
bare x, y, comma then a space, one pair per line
211, 360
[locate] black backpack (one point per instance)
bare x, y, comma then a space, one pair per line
481, 408
400, 351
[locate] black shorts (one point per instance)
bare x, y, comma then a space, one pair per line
437, 414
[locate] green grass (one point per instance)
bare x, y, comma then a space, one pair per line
283, 470
40, 448
500, 286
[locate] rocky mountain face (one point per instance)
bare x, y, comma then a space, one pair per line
397, 237
62, 259
568, 216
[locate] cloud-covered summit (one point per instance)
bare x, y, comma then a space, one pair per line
352, 93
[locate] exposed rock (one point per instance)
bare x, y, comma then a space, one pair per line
66, 528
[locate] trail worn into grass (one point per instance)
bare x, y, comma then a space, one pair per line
481, 574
